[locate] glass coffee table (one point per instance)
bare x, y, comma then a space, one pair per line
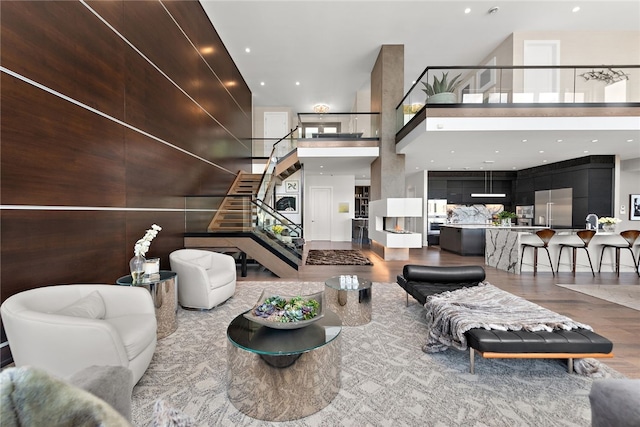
283, 374
351, 303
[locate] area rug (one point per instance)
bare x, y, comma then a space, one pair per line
336, 257
627, 295
387, 380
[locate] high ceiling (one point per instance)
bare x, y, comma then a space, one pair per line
330, 47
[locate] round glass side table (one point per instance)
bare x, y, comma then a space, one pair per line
352, 304
163, 288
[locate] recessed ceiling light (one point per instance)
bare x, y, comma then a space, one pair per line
524, 140
452, 151
413, 82
559, 140
585, 151
246, 49
297, 83
544, 161
629, 140
417, 167
594, 140
513, 167
261, 83
575, 9
541, 151
321, 166
432, 161
467, 10
206, 50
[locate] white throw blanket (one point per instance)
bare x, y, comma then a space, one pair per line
451, 314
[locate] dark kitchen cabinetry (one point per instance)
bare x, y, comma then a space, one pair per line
462, 241
361, 203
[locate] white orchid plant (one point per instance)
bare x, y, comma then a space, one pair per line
608, 220
142, 246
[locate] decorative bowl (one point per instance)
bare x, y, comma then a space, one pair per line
271, 322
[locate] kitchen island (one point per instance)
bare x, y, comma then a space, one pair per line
503, 249
470, 239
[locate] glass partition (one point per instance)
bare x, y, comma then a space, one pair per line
342, 126
249, 216
538, 86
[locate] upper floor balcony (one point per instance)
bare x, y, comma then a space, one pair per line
483, 91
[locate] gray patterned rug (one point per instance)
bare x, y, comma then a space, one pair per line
386, 377
336, 257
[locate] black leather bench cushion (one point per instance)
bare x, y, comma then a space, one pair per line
420, 281
557, 341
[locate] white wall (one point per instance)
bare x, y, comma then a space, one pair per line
343, 190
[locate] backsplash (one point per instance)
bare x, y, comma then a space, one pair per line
474, 214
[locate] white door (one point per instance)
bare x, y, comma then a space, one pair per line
320, 215
544, 83
276, 125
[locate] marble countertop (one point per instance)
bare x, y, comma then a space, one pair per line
513, 227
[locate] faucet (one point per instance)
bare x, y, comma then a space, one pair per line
592, 222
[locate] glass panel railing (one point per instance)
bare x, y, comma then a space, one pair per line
244, 214
342, 126
534, 85
279, 150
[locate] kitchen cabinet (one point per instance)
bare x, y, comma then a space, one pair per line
462, 240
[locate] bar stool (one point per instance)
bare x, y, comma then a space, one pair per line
585, 236
362, 228
545, 235
630, 237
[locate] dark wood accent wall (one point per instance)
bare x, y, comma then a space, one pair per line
111, 113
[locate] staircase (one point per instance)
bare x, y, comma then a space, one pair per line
236, 212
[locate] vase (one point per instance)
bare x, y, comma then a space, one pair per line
610, 228
136, 265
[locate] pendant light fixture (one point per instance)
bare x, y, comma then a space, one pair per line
490, 192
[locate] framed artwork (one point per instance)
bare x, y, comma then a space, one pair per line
343, 207
634, 207
287, 203
291, 186
486, 79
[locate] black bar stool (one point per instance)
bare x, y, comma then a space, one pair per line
585, 236
545, 235
630, 237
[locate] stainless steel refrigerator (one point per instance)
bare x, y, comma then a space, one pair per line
553, 208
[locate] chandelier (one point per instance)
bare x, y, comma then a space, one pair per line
608, 76
321, 108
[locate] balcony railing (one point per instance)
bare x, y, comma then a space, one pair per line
340, 126
530, 86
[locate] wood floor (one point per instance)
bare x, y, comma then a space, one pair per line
618, 323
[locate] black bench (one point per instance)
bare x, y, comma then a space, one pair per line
420, 281
557, 344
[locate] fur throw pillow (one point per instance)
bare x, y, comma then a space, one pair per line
31, 397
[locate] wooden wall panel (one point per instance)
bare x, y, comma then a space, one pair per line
50, 247
56, 153
110, 181
62, 45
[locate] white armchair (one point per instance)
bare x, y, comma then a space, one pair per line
205, 278
66, 328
